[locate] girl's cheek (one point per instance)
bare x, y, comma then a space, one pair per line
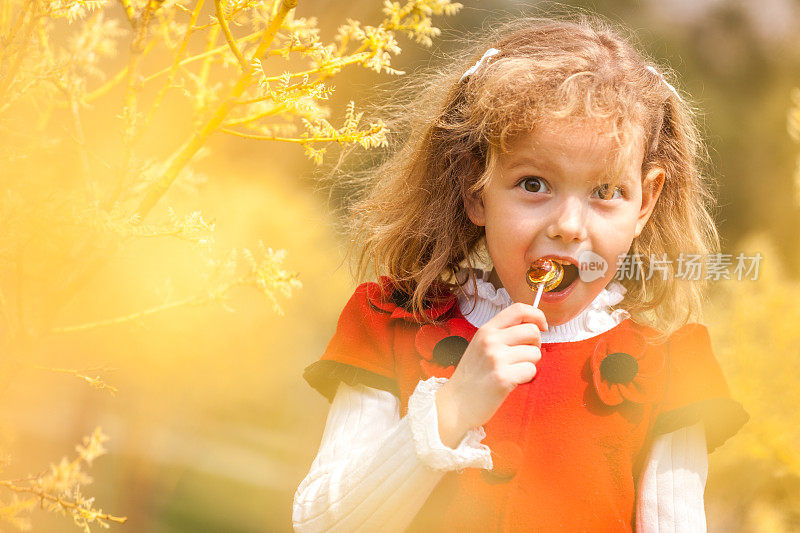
517, 227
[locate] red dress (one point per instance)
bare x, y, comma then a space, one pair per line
567, 447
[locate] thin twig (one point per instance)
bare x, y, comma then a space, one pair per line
129, 110
95, 382
205, 71
64, 503
175, 64
217, 50
121, 75
226, 31
355, 58
194, 300
8, 79
24, 10
80, 139
300, 140
275, 110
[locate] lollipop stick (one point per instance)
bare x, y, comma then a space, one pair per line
538, 294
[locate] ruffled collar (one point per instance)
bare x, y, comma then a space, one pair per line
595, 319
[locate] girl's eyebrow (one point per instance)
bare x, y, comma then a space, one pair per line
610, 175
520, 161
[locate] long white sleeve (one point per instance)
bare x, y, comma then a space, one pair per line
374, 471
673, 482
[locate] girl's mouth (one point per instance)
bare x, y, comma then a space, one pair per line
570, 275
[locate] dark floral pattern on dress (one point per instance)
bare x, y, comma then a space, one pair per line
623, 368
387, 297
441, 346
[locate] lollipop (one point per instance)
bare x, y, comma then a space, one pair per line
544, 274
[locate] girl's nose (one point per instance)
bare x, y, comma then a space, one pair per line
569, 220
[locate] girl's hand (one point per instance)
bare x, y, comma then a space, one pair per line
503, 354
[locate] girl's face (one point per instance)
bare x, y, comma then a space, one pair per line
546, 198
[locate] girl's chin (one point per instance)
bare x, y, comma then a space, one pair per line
565, 309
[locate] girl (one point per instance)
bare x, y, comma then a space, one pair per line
456, 404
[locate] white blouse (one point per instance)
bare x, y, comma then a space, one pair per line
375, 470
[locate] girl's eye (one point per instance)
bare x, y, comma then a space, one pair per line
604, 192
532, 184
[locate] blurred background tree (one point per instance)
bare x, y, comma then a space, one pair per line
212, 427
105, 230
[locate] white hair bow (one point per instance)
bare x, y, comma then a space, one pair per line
671, 88
486, 55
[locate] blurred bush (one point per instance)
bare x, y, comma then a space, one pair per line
754, 479
126, 214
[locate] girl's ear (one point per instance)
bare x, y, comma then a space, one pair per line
475, 210
652, 184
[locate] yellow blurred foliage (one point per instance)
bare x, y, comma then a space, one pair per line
124, 213
755, 336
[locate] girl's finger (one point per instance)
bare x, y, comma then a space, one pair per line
526, 333
514, 355
520, 373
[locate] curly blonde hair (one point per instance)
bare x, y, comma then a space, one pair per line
412, 224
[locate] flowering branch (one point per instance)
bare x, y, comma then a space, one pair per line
61, 487
158, 188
